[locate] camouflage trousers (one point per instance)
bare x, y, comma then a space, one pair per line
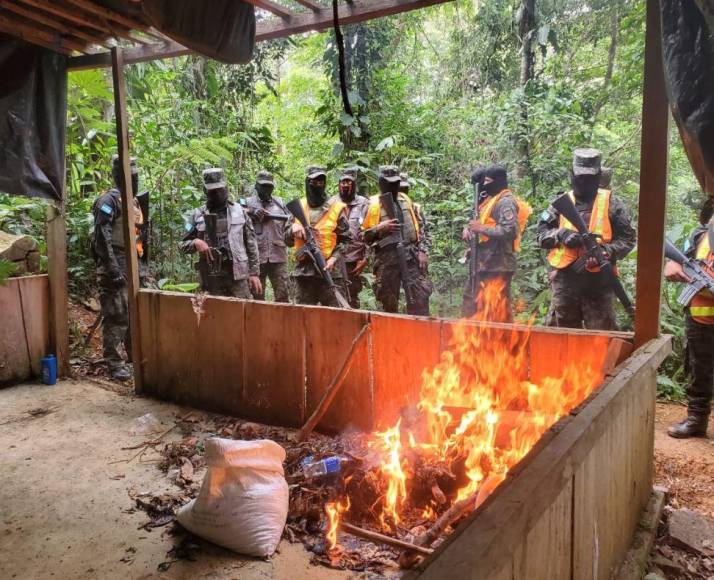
699, 363
312, 290
471, 306
277, 273
114, 303
223, 283
581, 301
388, 283
356, 283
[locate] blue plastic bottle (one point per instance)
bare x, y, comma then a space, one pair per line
49, 369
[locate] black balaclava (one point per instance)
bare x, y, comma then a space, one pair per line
134, 180
217, 199
389, 186
500, 180
585, 186
264, 191
347, 190
315, 194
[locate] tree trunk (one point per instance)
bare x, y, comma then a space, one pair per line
526, 31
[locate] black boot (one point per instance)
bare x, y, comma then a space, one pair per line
692, 426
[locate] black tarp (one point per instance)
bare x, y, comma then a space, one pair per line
33, 115
220, 29
688, 49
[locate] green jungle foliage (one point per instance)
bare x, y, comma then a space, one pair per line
436, 91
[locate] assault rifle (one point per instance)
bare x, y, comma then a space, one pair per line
700, 278
312, 249
252, 212
213, 269
565, 206
473, 245
387, 200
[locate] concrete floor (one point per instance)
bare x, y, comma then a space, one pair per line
64, 504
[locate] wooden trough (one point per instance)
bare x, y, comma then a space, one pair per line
25, 327
569, 510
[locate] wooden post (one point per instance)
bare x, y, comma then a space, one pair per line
127, 200
59, 299
653, 182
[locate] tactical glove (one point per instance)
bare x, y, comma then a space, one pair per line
571, 239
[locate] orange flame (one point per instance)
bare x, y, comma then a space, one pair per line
334, 511
480, 406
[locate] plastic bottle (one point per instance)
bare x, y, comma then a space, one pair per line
325, 467
49, 369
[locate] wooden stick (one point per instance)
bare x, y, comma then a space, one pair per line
378, 538
333, 389
97, 323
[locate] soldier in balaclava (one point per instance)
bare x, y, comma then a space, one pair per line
381, 234
109, 253
585, 299
330, 227
222, 234
355, 255
499, 225
262, 207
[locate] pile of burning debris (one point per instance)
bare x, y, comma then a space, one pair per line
384, 500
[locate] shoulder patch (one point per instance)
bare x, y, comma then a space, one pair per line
545, 215
107, 209
687, 246
187, 226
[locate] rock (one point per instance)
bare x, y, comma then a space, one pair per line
33, 261
692, 531
654, 576
15, 248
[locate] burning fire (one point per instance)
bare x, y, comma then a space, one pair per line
334, 510
479, 410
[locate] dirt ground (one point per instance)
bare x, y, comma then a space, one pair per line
68, 503
684, 467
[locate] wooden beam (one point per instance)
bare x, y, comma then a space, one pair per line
57, 273
350, 13
127, 200
34, 34
272, 7
103, 12
82, 19
42, 18
653, 183
357, 11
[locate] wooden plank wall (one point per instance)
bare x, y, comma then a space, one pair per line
572, 509
272, 362
25, 336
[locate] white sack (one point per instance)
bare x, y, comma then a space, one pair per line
243, 502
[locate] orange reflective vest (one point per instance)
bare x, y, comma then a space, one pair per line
374, 212
486, 209
701, 307
324, 227
562, 257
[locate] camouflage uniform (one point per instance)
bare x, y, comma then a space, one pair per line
356, 250
236, 240
310, 287
271, 241
110, 257
388, 280
585, 299
699, 352
496, 256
